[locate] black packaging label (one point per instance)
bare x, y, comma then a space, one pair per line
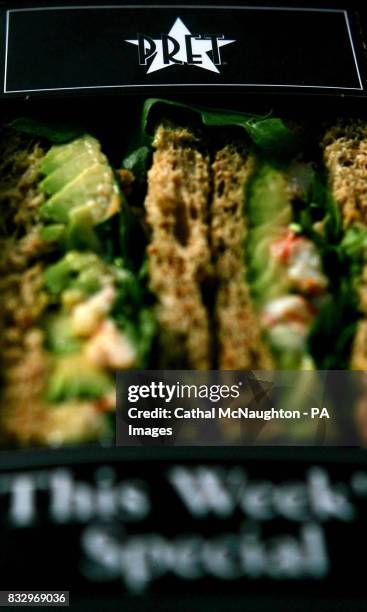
148, 528
133, 47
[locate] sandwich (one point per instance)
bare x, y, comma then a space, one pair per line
238, 280
222, 241
71, 311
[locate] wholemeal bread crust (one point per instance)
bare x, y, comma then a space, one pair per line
345, 156
178, 254
239, 338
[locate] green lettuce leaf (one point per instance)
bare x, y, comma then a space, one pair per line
269, 134
57, 132
336, 324
354, 243
332, 334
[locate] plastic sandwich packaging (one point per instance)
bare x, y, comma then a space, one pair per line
183, 233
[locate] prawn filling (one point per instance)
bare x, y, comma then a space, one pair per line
285, 268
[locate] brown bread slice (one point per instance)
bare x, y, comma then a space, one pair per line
178, 255
345, 156
240, 343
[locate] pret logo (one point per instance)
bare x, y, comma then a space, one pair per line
180, 47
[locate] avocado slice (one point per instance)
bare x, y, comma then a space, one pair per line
74, 377
268, 197
94, 188
269, 212
62, 154
68, 171
75, 270
60, 339
53, 233
81, 234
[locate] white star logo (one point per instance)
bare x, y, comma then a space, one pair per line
180, 47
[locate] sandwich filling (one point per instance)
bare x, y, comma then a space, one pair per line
285, 266
60, 342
